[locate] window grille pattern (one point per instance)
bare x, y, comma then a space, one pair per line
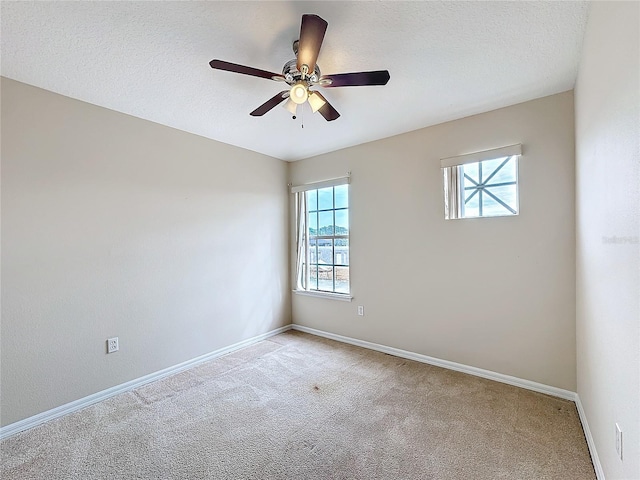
326, 262
489, 188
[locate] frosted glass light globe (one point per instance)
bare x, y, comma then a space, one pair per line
298, 93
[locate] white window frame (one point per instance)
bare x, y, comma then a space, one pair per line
454, 185
302, 270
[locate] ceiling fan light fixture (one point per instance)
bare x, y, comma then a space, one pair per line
291, 106
316, 101
299, 93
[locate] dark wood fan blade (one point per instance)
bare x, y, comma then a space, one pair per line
234, 67
357, 79
311, 36
327, 111
269, 104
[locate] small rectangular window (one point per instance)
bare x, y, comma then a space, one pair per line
487, 187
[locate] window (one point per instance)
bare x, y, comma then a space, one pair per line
322, 263
484, 184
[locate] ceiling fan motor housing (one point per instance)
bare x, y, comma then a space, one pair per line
292, 75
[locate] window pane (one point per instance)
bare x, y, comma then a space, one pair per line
313, 224
325, 220
508, 194
471, 207
313, 250
341, 251
342, 279
506, 174
312, 200
313, 277
342, 222
469, 184
489, 166
342, 196
325, 251
325, 198
491, 208
471, 170
325, 278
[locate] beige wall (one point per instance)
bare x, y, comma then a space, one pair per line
494, 293
112, 225
608, 231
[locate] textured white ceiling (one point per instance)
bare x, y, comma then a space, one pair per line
150, 59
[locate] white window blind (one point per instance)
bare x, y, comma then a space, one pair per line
334, 182
481, 156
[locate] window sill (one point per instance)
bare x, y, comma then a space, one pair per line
344, 297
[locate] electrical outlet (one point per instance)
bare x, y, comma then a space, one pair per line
619, 441
112, 345
361, 310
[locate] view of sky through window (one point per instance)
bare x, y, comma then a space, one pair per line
490, 188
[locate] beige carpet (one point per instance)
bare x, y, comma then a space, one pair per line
300, 407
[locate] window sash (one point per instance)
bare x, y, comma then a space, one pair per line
304, 265
457, 195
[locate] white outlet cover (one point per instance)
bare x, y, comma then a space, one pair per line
112, 345
619, 441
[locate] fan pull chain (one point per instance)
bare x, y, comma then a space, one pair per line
302, 115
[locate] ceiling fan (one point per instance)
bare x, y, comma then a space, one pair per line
302, 73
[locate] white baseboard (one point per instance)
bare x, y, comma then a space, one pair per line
591, 444
478, 372
499, 377
81, 403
